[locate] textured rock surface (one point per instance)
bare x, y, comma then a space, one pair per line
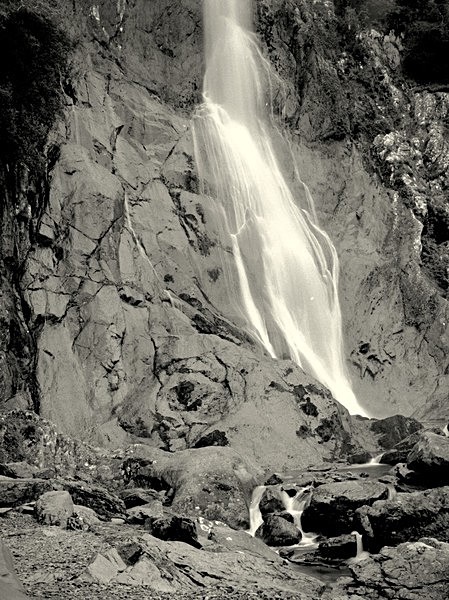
332, 508
10, 586
429, 458
54, 508
410, 571
407, 518
279, 530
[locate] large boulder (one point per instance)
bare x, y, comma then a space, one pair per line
14, 492
173, 528
407, 518
279, 530
215, 482
401, 451
429, 458
332, 508
392, 430
410, 571
54, 508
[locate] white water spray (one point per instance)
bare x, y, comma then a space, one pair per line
295, 506
255, 516
286, 266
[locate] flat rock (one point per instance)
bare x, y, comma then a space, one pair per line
332, 507
339, 548
407, 518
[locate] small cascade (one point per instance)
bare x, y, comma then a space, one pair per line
361, 553
376, 460
392, 493
255, 516
446, 431
295, 506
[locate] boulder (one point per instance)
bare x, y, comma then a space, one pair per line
411, 571
103, 502
279, 530
407, 518
14, 492
173, 528
338, 548
83, 518
332, 507
10, 586
429, 458
139, 514
271, 501
54, 508
138, 497
394, 429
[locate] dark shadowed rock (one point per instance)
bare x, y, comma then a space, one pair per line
394, 429
338, 548
429, 458
408, 518
54, 508
19, 470
103, 502
173, 528
410, 571
151, 510
14, 492
138, 496
279, 530
332, 507
271, 501
214, 438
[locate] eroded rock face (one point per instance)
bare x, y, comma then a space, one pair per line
332, 508
410, 571
407, 518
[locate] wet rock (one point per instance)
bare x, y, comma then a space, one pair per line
412, 570
429, 458
338, 548
14, 492
359, 459
332, 507
279, 530
407, 518
394, 429
54, 508
173, 528
271, 501
214, 482
10, 586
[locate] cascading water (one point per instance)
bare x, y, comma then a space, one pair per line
286, 266
295, 506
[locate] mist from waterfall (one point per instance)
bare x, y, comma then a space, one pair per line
287, 267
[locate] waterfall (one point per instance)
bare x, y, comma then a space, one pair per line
361, 554
295, 506
255, 516
286, 266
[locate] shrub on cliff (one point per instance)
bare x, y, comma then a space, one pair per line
34, 58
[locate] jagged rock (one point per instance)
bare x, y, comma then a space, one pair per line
54, 508
176, 567
429, 458
407, 518
412, 570
214, 438
393, 430
14, 492
332, 507
10, 586
279, 530
103, 502
271, 501
173, 528
338, 548
151, 510
106, 566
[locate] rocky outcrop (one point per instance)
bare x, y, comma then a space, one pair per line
54, 508
412, 570
10, 586
429, 458
333, 505
407, 518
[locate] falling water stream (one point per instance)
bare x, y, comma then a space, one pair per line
286, 266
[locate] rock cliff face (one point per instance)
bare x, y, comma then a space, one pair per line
120, 290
